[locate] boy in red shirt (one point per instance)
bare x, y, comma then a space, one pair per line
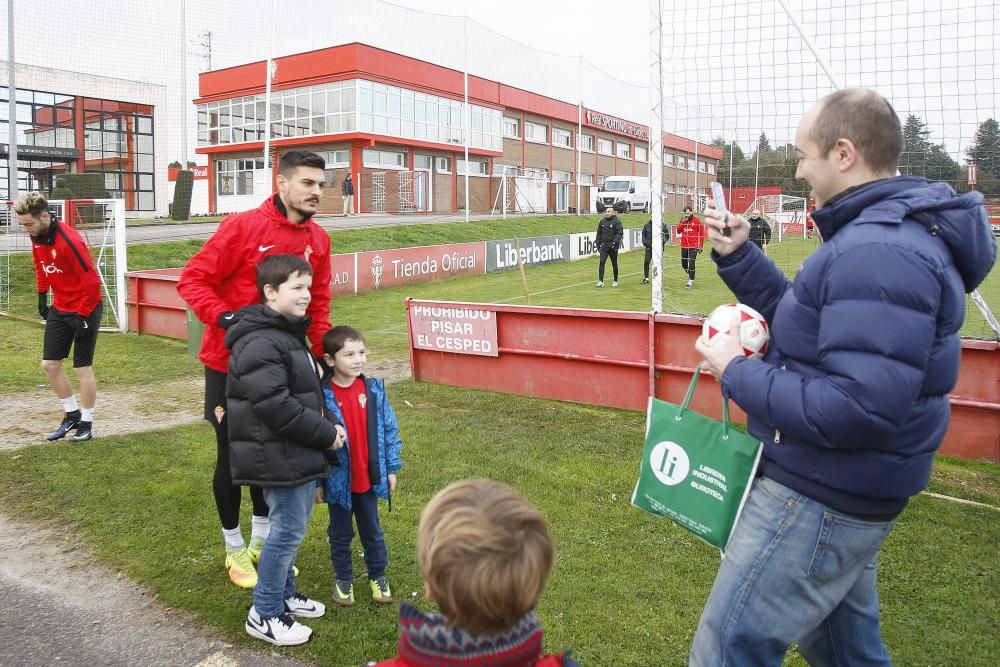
368, 464
692, 234
63, 264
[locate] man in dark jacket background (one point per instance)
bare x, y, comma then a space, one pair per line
347, 187
760, 230
647, 243
851, 399
609, 237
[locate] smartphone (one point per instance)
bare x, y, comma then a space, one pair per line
720, 206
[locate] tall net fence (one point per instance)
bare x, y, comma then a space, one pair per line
741, 75
738, 74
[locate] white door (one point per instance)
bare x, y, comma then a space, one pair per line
423, 183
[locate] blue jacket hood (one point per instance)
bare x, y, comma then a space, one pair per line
960, 221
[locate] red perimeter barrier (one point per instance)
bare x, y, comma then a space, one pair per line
617, 359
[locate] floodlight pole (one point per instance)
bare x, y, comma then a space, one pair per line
466, 116
656, 150
267, 94
579, 135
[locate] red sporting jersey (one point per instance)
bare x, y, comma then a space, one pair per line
692, 233
353, 404
222, 276
62, 263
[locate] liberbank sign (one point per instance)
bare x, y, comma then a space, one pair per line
604, 121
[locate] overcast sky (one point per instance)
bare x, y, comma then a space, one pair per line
734, 68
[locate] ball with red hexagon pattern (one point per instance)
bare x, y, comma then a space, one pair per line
754, 333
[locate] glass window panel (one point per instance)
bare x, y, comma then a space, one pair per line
393, 127
381, 126
348, 123
145, 163
380, 102
145, 201
302, 106
237, 135
244, 183
144, 143
420, 110
227, 184
422, 162
333, 123
348, 100
394, 103
366, 101
366, 123
419, 131
318, 104
145, 181
333, 101
319, 125
406, 128
406, 109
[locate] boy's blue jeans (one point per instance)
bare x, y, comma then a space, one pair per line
794, 570
364, 507
291, 507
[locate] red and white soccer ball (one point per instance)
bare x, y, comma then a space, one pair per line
754, 334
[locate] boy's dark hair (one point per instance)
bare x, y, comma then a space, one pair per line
335, 339
276, 269
293, 159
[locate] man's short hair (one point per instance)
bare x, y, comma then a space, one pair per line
335, 339
865, 118
486, 554
687, 209
31, 203
273, 270
293, 159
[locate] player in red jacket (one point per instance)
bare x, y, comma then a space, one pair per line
63, 264
692, 234
222, 278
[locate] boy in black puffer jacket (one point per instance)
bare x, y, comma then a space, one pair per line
280, 436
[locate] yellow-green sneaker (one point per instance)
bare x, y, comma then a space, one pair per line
380, 590
241, 569
256, 546
343, 592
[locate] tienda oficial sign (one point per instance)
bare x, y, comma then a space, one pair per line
607, 122
380, 269
457, 329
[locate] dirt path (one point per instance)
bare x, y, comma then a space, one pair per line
64, 607
29, 416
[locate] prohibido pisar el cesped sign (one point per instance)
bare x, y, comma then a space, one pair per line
455, 329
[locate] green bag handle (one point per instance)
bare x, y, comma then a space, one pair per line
686, 405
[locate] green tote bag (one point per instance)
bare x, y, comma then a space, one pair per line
695, 471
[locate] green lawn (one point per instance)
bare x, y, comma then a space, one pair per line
627, 588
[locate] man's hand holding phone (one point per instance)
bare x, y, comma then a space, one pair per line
727, 231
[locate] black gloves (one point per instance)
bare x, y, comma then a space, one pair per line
43, 305
227, 319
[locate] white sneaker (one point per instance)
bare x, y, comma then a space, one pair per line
278, 630
600, 283
300, 605
690, 284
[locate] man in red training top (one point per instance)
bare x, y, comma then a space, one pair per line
62, 264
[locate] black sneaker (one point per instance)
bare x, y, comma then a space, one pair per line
83, 432
69, 422
645, 281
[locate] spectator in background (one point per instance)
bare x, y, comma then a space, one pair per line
760, 230
692, 234
609, 237
348, 189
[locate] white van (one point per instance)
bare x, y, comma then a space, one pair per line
624, 193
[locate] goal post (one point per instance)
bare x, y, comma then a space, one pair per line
101, 224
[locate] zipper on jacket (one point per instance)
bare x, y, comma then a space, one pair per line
777, 433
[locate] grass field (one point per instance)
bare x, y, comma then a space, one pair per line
627, 589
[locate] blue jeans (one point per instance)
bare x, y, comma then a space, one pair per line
364, 508
794, 570
291, 507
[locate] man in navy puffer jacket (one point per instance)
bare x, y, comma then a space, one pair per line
851, 400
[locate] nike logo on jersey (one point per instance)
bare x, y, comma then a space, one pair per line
265, 248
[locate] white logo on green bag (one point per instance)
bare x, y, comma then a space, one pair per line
669, 463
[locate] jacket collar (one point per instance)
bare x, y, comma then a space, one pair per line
427, 641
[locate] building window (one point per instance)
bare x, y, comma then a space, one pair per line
585, 142
421, 161
640, 154
562, 176
383, 159
476, 167
235, 177
511, 128
680, 162
604, 146
443, 165
624, 150
562, 138
333, 159
691, 164
118, 142
711, 167
668, 159
535, 132
670, 188
701, 166
586, 179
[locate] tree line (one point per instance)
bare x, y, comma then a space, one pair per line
921, 157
